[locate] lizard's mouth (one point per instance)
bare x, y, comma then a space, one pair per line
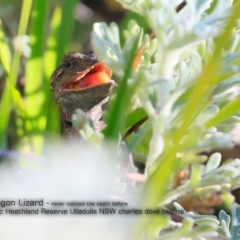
95, 75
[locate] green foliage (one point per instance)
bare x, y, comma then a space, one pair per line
180, 84
43, 45
11, 94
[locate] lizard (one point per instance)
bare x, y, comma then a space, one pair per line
83, 82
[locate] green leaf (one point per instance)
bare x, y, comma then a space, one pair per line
226, 112
7, 96
196, 172
117, 115
135, 116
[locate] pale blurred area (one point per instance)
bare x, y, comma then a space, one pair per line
66, 172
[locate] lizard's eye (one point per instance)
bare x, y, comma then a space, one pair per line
67, 64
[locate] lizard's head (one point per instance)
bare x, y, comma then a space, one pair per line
81, 81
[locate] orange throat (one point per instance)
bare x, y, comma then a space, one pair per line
95, 75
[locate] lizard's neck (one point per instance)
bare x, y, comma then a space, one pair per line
95, 114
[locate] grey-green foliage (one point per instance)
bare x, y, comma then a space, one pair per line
176, 65
187, 84
231, 226
208, 179
106, 43
206, 225
85, 127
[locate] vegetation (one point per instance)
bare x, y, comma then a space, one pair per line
185, 87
